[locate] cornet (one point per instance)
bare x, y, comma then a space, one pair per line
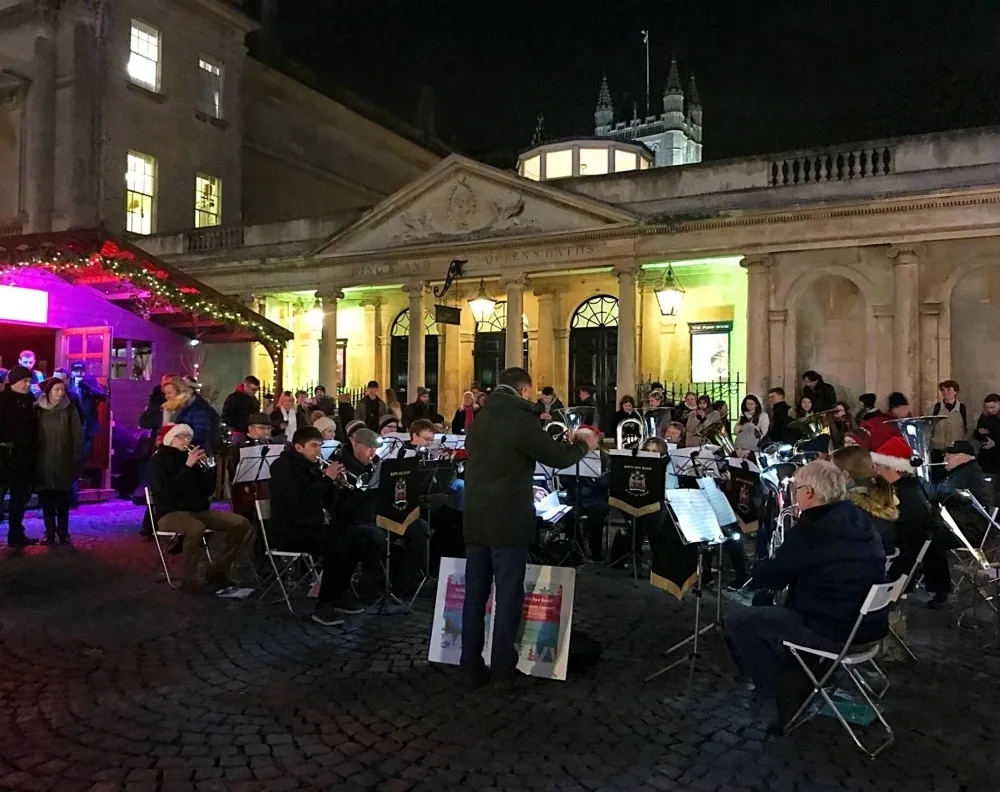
345, 480
208, 463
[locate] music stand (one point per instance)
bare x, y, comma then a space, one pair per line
396, 508
255, 463
589, 466
979, 563
424, 482
696, 523
637, 487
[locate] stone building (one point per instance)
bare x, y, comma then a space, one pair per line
875, 263
149, 117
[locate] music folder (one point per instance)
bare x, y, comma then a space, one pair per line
550, 510
397, 496
695, 519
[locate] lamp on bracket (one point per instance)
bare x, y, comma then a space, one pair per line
482, 304
455, 270
670, 294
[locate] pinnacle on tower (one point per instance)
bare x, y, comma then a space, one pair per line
539, 137
673, 78
604, 97
692, 96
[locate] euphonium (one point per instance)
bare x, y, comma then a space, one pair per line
653, 420
716, 434
812, 426
572, 419
630, 433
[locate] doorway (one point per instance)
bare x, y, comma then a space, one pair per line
399, 355
593, 346
489, 352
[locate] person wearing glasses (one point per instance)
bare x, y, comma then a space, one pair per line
828, 563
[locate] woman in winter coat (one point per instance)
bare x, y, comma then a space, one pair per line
60, 446
182, 405
752, 425
464, 415
698, 421
871, 493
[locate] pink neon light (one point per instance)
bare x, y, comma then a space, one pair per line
24, 305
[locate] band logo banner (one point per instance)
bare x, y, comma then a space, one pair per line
740, 490
637, 482
546, 619
395, 498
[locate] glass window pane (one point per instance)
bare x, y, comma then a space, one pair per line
624, 161
593, 162
144, 55
140, 182
558, 164
142, 360
119, 359
210, 87
531, 168
207, 201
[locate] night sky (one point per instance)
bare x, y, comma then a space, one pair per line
773, 74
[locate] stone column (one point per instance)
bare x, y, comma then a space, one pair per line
545, 353
41, 127
328, 342
906, 319
85, 90
372, 307
758, 323
514, 283
930, 355
416, 340
778, 320
560, 364
626, 272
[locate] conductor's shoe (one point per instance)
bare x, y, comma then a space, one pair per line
349, 604
327, 615
512, 683
475, 678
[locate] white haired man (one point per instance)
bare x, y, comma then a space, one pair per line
828, 562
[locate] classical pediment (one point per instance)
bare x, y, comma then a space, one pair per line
464, 201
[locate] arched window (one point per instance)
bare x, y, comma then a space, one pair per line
490, 349
496, 322
599, 311
399, 354
593, 347
401, 324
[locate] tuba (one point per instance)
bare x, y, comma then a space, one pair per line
572, 419
653, 420
630, 433
917, 433
716, 434
778, 482
812, 426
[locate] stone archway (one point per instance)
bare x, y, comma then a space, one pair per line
830, 334
974, 308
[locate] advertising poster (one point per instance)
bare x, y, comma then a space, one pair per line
546, 621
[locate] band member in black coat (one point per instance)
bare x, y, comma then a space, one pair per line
310, 514
18, 449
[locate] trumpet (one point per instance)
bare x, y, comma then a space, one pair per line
346, 480
208, 463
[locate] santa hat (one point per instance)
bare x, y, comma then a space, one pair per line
168, 432
895, 454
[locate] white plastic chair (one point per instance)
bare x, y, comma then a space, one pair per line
880, 596
168, 536
283, 561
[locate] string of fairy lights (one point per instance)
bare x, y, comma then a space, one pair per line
145, 276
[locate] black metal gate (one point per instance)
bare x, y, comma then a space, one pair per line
593, 346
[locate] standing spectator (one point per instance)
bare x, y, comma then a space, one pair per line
780, 419
821, 393
464, 415
18, 449
683, 410
60, 449
547, 404
287, 417
321, 401
988, 434
421, 408
698, 421
955, 426
241, 404
868, 408
753, 424
626, 409
371, 409
183, 405
345, 410
585, 398
152, 416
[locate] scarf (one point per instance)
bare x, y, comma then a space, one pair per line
470, 414
292, 421
173, 406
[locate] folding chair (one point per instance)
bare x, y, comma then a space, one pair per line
902, 593
879, 597
166, 536
283, 562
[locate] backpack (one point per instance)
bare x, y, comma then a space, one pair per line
961, 410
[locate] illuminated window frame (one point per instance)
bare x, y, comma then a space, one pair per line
144, 55
140, 195
210, 82
207, 201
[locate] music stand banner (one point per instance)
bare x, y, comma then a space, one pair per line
546, 619
395, 500
740, 489
637, 482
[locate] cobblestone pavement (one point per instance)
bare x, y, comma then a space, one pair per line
109, 681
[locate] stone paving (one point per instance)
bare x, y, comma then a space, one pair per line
110, 681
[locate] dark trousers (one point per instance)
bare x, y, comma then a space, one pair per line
733, 550
753, 636
937, 573
20, 494
55, 512
483, 566
341, 550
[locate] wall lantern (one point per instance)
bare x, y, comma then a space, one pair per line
670, 294
314, 316
482, 304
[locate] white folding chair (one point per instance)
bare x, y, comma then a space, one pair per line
284, 562
902, 593
162, 537
879, 597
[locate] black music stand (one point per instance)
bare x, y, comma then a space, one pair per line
588, 466
430, 474
696, 523
638, 481
395, 508
254, 463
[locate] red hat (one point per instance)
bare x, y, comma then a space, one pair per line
895, 454
163, 433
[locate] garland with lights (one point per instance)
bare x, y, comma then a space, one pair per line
125, 266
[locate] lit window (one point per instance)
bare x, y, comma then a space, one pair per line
559, 164
530, 168
593, 162
140, 183
144, 55
207, 201
624, 161
210, 87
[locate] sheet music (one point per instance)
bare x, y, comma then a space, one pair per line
329, 446
695, 519
717, 500
590, 466
550, 509
255, 462
744, 464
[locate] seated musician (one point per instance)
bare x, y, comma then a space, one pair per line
182, 491
593, 502
388, 425
422, 436
673, 432
357, 456
327, 427
243, 494
308, 514
828, 561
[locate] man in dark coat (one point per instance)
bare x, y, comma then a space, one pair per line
779, 416
828, 563
323, 402
421, 409
18, 449
241, 404
371, 409
988, 434
504, 443
822, 393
